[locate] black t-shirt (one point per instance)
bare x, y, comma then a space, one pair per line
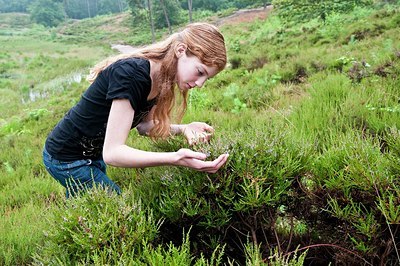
80, 134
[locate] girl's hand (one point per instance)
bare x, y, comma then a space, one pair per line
196, 132
196, 160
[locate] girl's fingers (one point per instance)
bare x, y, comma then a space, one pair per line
207, 137
209, 128
213, 166
222, 161
193, 154
196, 160
202, 137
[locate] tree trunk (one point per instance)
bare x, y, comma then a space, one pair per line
96, 8
88, 8
166, 16
65, 2
190, 5
151, 21
120, 6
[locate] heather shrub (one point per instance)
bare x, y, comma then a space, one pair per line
97, 228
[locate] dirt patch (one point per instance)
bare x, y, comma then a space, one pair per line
115, 24
244, 15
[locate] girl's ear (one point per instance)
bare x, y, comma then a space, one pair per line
180, 49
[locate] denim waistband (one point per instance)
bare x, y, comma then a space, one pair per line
47, 156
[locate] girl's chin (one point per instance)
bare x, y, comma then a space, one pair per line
183, 87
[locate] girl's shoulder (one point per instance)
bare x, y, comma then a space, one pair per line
133, 62
130, 67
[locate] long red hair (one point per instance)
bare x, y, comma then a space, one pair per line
203, 40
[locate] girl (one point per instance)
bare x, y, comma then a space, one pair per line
136, 91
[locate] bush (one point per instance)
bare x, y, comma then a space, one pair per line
98, 228
293, 11
256, 181
47, 12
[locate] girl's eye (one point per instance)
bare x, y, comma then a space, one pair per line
200, 72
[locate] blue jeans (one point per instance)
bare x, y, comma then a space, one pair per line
78, 176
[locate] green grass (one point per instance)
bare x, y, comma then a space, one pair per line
32, 68
309, 115
21, 231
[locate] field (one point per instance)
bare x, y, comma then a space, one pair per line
309, 113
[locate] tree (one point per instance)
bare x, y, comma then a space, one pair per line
79, 9
160, 13
172, 9
139, 10
14, 5
213, 5
111, 6
75, 9
153, 37
164, 8
46, 12
190, 6
88, 8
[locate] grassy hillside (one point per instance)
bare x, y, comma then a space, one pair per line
310, 115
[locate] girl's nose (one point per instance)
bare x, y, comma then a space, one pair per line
200, 82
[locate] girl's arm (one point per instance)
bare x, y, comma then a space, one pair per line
117, 153
194, 132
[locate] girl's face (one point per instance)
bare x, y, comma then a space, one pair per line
191, 71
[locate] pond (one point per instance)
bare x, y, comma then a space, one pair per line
46, 89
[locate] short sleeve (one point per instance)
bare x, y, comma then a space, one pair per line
129, 80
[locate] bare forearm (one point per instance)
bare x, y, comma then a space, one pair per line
145, 127
177, 129
125, 156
